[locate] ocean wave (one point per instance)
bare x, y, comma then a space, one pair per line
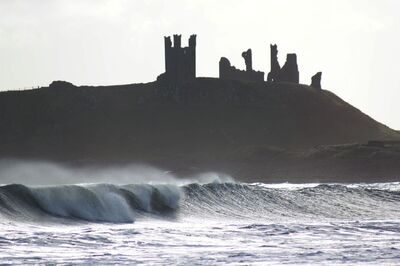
307, 202
97, 203
127, 203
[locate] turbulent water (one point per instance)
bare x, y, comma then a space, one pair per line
198, 224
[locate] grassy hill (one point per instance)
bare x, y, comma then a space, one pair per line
210, 124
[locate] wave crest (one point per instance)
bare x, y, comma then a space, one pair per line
99, 203
125, 204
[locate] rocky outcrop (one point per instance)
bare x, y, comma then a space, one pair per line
61, 84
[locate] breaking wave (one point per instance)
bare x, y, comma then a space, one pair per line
98, 203
127, 203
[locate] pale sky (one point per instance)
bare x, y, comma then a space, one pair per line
355, 43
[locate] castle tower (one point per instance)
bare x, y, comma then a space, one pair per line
180, 62
273, 75
316, 81
289, 71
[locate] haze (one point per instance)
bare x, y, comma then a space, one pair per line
101, 42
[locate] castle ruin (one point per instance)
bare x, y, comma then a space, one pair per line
316, 81
289, 72
227, 71
180, 62
180, 66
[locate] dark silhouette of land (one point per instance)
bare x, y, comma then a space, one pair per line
253, 131
272, 131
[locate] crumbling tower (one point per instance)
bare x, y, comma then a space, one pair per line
273, 75
316, 81
248, 60
180, 62
289, 72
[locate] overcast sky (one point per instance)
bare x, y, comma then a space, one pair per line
355, 43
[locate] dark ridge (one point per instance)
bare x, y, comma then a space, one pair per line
263, 131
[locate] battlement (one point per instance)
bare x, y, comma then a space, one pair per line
177, 41
180, 62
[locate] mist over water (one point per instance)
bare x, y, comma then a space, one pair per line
48, 173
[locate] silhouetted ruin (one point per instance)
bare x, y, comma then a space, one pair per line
248, 60
180, 66
226, 71
316, 81
289, 72
180, 62
275, 67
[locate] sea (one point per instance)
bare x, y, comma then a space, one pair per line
214, 223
